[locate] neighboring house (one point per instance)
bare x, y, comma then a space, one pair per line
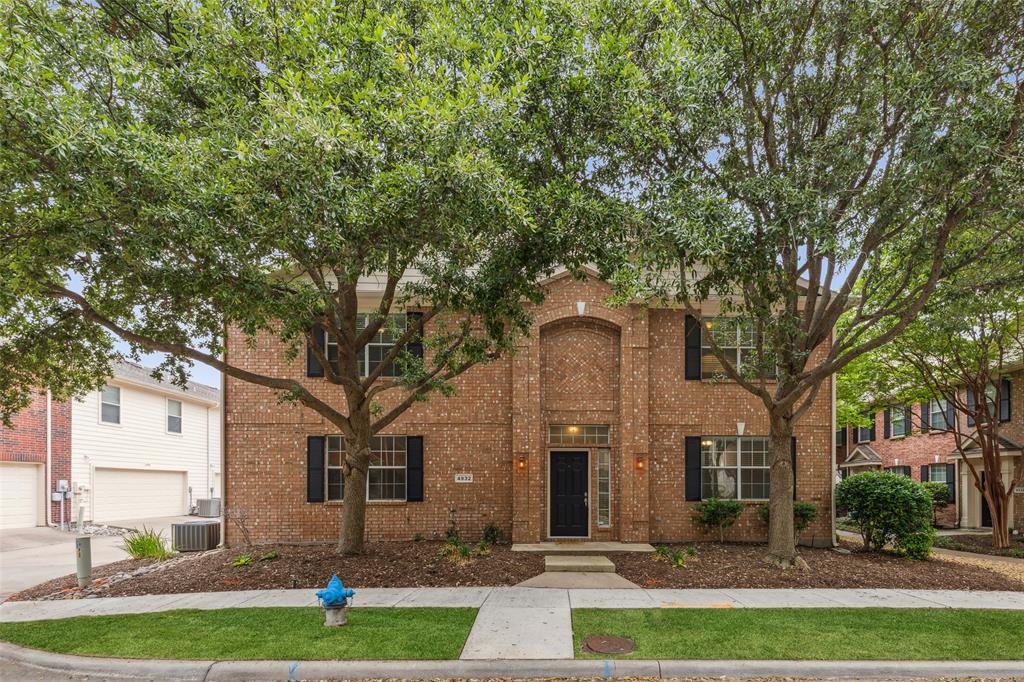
912, 440
607, 424
137, 449
142, 448
34, 455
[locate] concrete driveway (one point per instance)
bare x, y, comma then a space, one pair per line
29, 556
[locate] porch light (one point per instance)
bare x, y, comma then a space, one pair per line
640, 463
521, 463
581, 308
707, 443
573, 429
740, 427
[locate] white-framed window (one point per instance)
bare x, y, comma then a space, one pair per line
110, 405
937, 473
578, 434
173, 416
376, 349
899, 423
736, 337
604, 488
386, 478
938, 419
734, 467
864, 432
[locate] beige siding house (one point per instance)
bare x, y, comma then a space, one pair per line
143, 448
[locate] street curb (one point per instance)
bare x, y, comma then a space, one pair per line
236, 671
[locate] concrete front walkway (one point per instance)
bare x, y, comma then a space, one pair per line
524, 623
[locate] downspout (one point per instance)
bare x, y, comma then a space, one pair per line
832, 438
49, 459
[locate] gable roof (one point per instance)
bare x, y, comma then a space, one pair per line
862, 454
131, 373
971, 446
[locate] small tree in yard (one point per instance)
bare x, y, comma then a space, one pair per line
939, 493
717, 514
889, 508
960, 350
799, 161
173, 170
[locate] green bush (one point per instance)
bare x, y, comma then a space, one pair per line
146, 544
889, 509
940, 497
242, 560
492, 534
675, 557
716, 513
804, 514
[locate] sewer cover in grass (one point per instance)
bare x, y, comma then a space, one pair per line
608, 644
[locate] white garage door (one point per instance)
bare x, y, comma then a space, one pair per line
21, 488
120, 494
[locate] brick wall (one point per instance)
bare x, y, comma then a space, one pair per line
621, 367
26, 442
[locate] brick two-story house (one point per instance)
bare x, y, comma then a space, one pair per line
605, 425
914, 440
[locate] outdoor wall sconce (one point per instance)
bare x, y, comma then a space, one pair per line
640, 463
740, 428
521, 463
581, 308
573, 429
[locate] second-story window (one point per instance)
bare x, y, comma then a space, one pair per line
110, 405
737, 338
374, 352
866, 434
900, 423
173, 416
939, 414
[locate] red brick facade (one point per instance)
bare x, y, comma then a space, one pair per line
26, 442
924, 447
584, 363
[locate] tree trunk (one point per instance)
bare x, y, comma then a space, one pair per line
353, 510
781, 535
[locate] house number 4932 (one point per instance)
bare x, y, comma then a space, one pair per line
463, 478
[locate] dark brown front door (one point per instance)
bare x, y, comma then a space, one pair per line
569, 503
986, 513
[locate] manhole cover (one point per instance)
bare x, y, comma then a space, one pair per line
608, 644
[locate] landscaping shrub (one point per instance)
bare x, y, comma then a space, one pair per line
146, 544
675, 557
492, 534
940, 497
716, 513
242, 560
272, 555
804, 514
889, 508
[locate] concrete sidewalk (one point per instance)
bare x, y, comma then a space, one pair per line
41, 665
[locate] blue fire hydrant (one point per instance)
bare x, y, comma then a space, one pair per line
334, 601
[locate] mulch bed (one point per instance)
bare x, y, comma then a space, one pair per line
736, 565
385, 564
981, 544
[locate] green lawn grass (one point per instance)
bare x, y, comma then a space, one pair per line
817, 634
263, 633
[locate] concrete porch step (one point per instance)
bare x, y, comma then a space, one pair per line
578, 564
581, 548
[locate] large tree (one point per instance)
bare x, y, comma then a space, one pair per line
172, 170
961, 348
804, 159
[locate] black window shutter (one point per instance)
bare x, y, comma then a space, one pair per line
792, 459
1004, 400
414, 468
693, 468
951, 481
415, 345
873, 434
315, 468
908, 420
841, 437
950, 417
887, 423
313, 366
970, 407
924, 473
926, 416
692, 353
